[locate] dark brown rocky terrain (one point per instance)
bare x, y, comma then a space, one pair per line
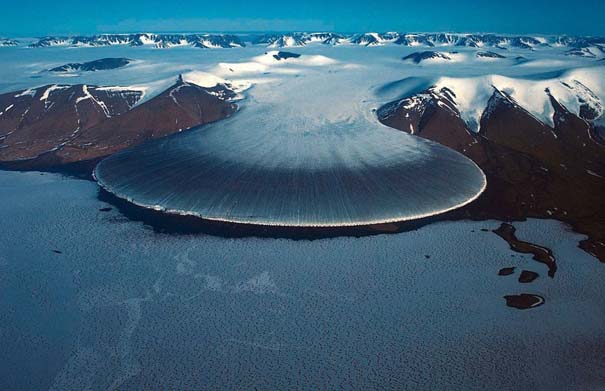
92, 66
532, 170
57, 125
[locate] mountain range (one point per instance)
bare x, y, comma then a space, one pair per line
538, 163
161, 40
57, 124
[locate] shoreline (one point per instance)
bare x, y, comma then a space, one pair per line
176, 224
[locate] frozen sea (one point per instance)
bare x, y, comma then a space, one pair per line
124, 307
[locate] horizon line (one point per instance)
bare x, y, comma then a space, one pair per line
249, 32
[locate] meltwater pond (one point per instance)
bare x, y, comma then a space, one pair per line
304, 150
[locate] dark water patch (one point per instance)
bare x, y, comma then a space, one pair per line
524, 301
506, 271
541, 254
527, 276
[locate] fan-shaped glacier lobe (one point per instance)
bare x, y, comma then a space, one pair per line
304, 150
335, 175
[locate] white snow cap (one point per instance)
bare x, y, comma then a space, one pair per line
203, 79
570, 89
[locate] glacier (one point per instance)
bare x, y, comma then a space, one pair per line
295, 155
319, 108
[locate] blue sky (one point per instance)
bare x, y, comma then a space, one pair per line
37, 17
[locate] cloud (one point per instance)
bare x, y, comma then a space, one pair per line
218, 24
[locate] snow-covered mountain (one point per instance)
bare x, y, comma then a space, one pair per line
588, 52
419, 57
8, 42
373, 39
157, 40
297, 39
490, 55
286, 41
61, 124
499, 41
92, 66
576, 45
581, 92
536, 139
38, 120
